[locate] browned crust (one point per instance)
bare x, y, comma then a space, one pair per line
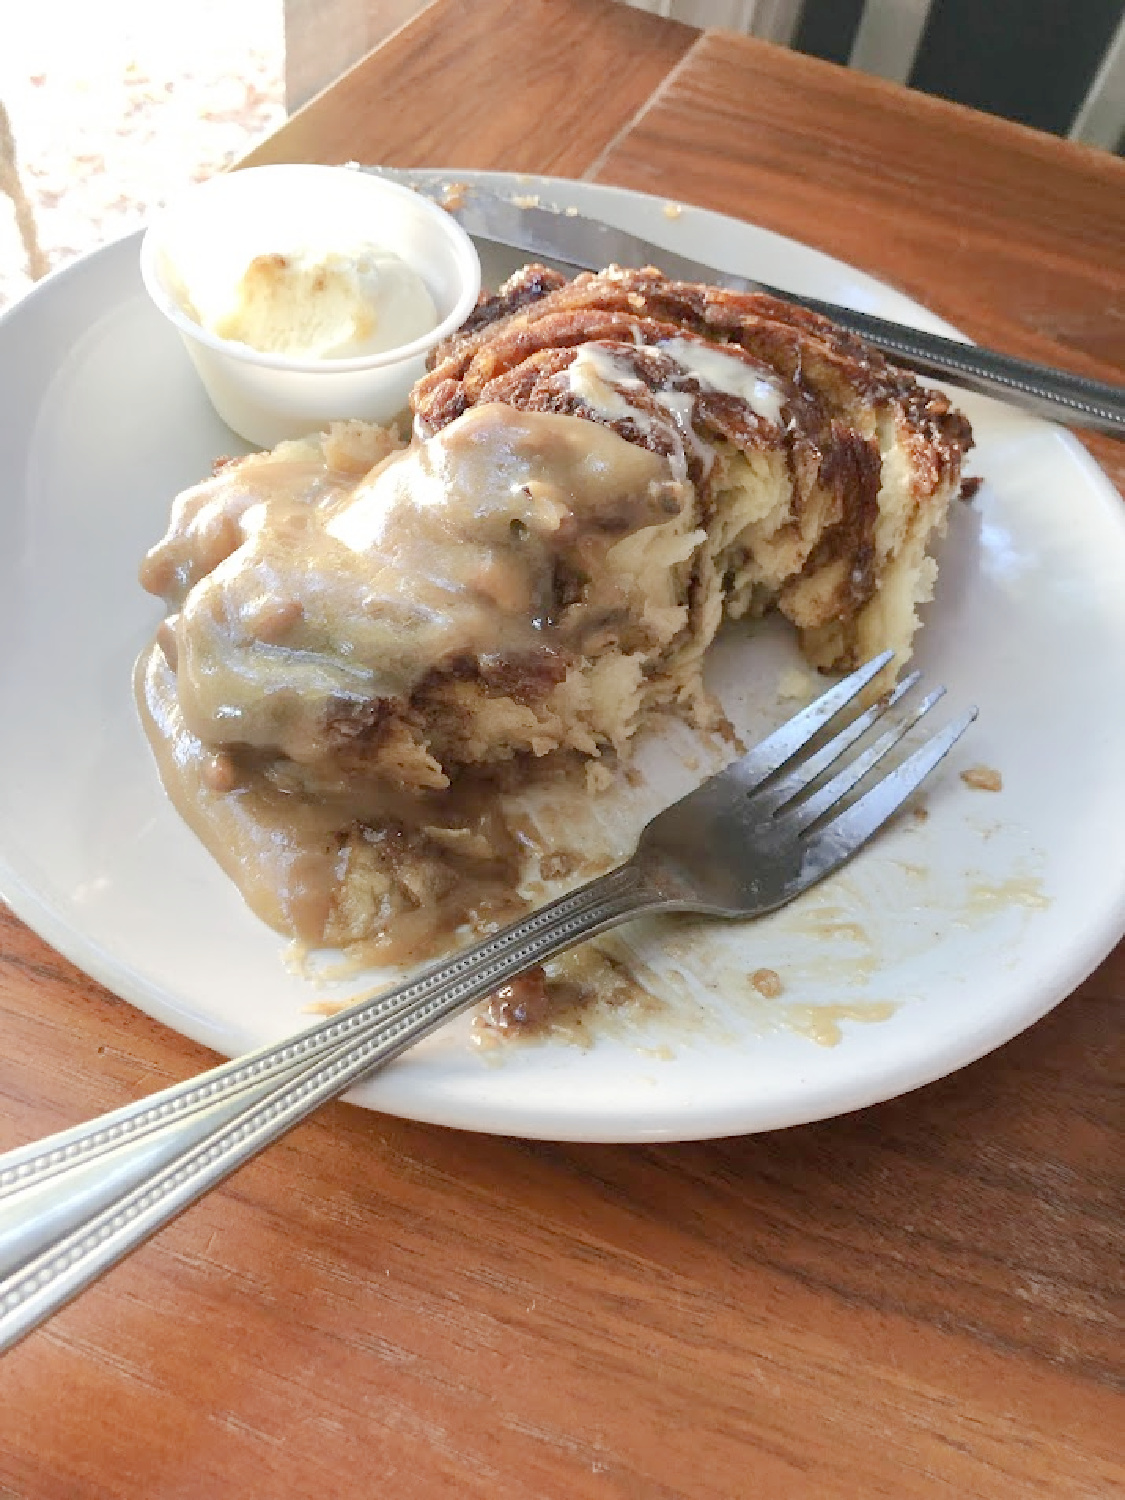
825, 371
519, 344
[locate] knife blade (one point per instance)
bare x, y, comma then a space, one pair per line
583, 243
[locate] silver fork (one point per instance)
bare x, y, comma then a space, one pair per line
742, 844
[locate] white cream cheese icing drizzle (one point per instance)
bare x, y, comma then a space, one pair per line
607, 383
718, 371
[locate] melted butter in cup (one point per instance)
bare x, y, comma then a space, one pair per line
316, 303
308, 294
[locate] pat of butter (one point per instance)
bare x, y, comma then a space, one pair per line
310, 303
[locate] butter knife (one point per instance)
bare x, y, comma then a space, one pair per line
587, 244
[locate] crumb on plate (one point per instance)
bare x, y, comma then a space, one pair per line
326, 1007
798, 685
767, 982
983, 778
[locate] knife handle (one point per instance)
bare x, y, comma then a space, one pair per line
1046, 392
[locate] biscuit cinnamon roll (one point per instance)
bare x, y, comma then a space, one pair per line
365, 638
821, 471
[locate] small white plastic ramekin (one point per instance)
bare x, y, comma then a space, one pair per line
268, 397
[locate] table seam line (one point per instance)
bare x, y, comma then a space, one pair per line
599, 161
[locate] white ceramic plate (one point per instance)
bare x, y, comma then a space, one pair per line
968, 925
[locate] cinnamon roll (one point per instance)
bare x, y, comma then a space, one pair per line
368, 642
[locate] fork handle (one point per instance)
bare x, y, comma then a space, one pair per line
65, 1223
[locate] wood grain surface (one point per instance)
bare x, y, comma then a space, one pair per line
918, 1300
1014, 236
519, 85
323, 38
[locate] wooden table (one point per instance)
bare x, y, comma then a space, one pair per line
916, 1300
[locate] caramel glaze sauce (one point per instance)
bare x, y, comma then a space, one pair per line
300, 598
435, 861
310, 603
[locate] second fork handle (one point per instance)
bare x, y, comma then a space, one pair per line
64, 1231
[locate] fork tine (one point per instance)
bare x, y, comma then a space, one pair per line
823, 801
780, 747
784, 788
830, 845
